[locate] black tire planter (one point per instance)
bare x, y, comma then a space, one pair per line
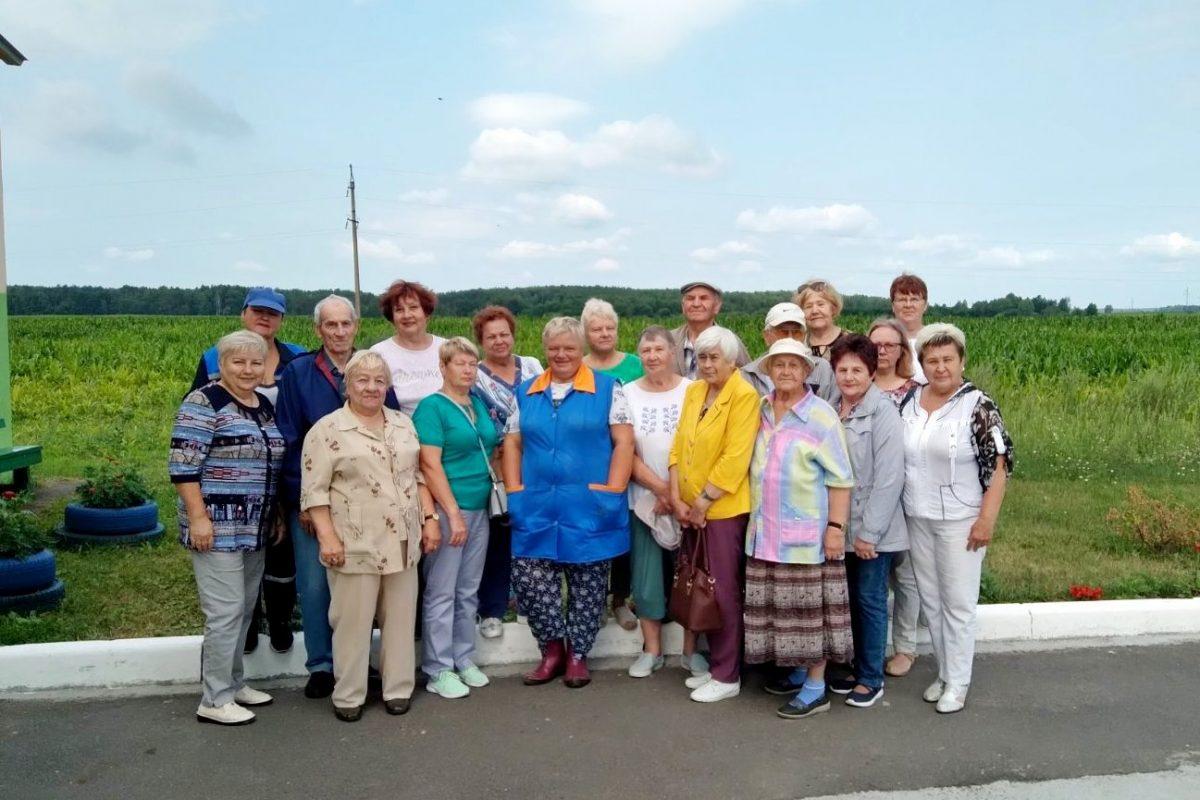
72, 537
21, 576
111, 521
43, 600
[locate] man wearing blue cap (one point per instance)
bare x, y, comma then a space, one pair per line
262, 312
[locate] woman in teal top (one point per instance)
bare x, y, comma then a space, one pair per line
599, 320
458, 440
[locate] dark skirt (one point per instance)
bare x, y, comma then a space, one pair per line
797, 614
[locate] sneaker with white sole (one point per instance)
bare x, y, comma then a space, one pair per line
473, 677
864, 699
448, 685
715, 691
491, 628
934, 692
696, 681
696, 663
246, 696
953, 699
229, 714
646, 665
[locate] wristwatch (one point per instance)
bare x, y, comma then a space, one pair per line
837, 525
434, 516
704, 493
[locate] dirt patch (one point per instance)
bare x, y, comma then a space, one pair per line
50, 492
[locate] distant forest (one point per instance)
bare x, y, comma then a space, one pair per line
529, 300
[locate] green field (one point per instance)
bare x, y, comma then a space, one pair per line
1094, 404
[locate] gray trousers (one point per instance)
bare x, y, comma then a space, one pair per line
452, 577
228, 586
906, 605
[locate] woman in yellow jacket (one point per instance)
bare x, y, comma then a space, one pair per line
709, 466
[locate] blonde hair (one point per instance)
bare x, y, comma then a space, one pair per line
938, 334
560, 325
240, 342
597, 308
365, 361
815, 288
904, 365
456, 345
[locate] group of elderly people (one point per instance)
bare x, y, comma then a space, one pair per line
446, 476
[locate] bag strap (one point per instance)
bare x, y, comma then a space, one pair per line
478, 436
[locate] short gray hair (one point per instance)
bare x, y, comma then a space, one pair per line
938, 334
241, 341
657, 333
333, 298
560, 325
364, 360
456, 345
720, 339
595, 307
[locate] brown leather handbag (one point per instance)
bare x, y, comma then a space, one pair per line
694, 590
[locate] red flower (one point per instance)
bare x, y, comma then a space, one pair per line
1198, 547
1085, 592
11, 495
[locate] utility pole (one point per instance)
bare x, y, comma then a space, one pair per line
352, 222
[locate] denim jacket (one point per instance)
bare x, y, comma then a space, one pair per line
876, 440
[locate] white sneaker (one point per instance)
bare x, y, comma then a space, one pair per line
696, 681
696, 663
645, 666
491, 628
228, 714
952, 699
934, 692
252, 697
714, 691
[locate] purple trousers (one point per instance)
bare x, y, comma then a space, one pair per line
726, 547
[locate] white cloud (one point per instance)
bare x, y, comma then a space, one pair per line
1165, 246
522, 249
936, 245
629, 33
747, 267
528, 110
713, 255
550, 155
433, 196
126, 254
108, 27
580, 210
247, 265
386, 249
606, 264
184, 103
835, 220
967, 249
1008, 256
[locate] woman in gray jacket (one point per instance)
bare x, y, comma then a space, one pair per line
877, 533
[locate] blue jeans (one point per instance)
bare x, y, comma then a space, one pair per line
868, 580
312, 586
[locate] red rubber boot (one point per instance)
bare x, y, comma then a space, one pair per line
553, 664
577, 671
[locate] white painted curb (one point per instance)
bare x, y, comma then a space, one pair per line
176, 659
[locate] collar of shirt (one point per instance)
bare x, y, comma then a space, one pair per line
584, 381
347, 420
800, 409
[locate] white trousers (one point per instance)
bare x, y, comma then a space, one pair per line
948, 582
906, 605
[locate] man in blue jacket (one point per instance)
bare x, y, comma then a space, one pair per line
310, 387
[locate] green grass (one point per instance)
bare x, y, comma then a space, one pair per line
1094, 404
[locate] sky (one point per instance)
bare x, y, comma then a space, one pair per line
1027, 147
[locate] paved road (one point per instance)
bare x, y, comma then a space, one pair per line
1032, 717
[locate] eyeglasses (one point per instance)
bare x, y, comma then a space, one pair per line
816, 286
887, 346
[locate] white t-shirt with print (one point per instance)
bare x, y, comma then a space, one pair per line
416, 374
655, 417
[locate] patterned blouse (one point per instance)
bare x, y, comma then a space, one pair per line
498, 394
898, 394
235, 453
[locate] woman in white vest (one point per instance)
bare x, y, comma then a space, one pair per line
958, 456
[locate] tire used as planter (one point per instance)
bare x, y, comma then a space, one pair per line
111, 521
42, 600
21, 576
72, 537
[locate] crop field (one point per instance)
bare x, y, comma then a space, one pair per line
1095, 405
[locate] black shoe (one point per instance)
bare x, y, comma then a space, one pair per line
860, 700
797, 710
397, 706
782, 687
320, 684
842, 685
348, 714
251, 643
282, 639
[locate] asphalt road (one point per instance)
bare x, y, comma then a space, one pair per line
1030, 717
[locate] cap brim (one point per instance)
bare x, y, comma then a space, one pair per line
687, 287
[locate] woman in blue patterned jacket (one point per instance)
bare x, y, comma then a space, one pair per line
225, 460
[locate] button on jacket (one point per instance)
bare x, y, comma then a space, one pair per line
876, 441
369, 481
717, 448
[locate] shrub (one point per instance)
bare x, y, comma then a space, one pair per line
21, 533
1155, 526
111, 485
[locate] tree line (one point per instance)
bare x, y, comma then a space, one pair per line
227, 299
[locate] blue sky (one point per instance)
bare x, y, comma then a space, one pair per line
1038, 148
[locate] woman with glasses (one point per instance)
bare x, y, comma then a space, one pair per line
894, 377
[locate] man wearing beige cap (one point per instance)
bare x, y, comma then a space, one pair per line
701, 303
786, 321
